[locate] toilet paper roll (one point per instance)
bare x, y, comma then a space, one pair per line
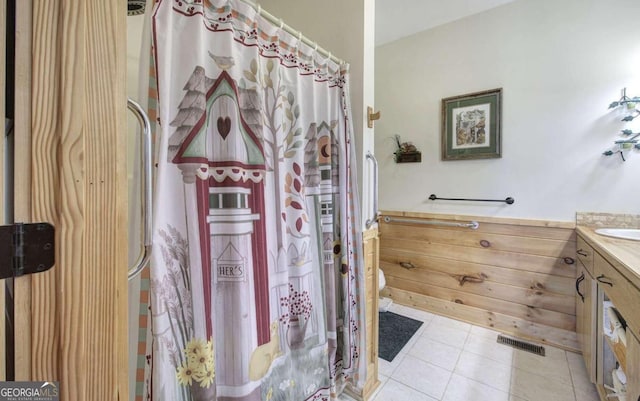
621, 375
614, 323
620, 389
606, 326
381, 280
621, 335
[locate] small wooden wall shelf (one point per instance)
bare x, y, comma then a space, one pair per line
408, 157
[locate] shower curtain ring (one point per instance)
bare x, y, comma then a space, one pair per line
281, 23
258, 8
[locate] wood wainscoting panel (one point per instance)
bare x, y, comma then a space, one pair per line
565, 339
513, 260
516, 276
534, 314
481, 284
497, 241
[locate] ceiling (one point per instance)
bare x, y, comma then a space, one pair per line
396, 19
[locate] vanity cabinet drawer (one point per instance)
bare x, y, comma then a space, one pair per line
624, 295
585, 254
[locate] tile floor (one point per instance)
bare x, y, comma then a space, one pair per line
448, 360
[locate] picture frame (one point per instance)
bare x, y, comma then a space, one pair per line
471, 126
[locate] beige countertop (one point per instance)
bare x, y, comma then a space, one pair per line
623, 254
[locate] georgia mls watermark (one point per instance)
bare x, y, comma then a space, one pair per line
29, 391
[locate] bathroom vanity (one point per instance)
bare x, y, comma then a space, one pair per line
608, 312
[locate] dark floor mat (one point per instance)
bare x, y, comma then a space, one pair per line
395, 332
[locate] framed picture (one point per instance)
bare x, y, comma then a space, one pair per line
471, 126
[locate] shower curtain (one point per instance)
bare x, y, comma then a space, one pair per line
257, 279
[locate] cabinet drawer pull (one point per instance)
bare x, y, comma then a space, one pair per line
600, 280
582, 253
578, 281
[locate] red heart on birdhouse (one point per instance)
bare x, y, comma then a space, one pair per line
224, 126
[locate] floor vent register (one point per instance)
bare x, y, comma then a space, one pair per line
522, 345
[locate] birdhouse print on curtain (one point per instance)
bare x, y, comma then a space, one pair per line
222, 156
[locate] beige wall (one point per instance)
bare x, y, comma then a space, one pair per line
560, 64
345, 28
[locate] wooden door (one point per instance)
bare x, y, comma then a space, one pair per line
2, 183
70, 170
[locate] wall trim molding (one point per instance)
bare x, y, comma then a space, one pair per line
482, 219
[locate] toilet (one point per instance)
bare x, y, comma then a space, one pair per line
384, 303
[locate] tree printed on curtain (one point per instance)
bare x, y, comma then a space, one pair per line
257, 276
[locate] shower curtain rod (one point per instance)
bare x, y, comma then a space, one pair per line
278, 21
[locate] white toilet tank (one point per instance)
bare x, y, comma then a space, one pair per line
383, 303
381, 281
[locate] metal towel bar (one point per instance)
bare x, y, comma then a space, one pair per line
472, 224
508, 201
147, 191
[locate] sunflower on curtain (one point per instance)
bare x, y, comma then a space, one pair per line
256, 281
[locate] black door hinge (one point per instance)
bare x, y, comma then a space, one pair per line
26, 249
